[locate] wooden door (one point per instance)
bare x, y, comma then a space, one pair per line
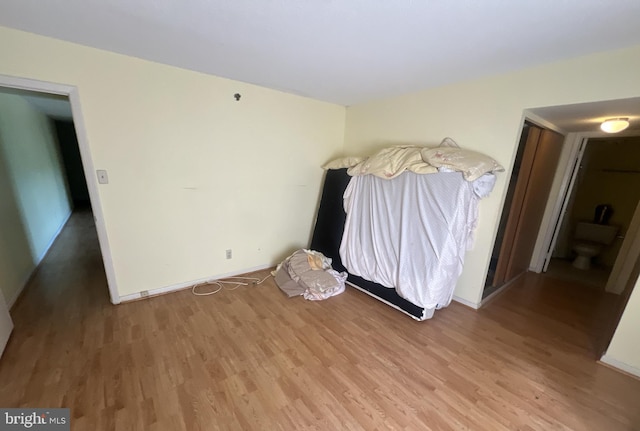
522, 181
539, 163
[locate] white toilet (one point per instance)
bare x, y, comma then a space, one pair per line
589, 241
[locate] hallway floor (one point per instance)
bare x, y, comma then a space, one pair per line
595, 277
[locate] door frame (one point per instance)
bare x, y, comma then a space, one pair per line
562, 202
551, 230
87, 164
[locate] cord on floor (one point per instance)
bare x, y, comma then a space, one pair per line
220, 284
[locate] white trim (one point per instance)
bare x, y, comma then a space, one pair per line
11, 301
87, 163
34, 85
187, 284
620, 365
463, 301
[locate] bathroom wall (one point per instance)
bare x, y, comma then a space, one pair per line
610, 174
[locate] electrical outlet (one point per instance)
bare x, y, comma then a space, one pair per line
229, 254
144, 294
103, 178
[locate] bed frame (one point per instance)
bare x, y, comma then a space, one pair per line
327, 236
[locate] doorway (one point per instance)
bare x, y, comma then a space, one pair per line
608, 174
40, 182
71, 93
615, 162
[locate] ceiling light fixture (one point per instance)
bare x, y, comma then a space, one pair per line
614, 125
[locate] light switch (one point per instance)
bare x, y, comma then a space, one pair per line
102, 176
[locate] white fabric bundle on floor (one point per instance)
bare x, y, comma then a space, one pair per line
309, 273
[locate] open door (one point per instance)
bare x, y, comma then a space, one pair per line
524, 214
6, 324
566, 201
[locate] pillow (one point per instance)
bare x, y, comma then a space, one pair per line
472, 164
342, 162
392, 161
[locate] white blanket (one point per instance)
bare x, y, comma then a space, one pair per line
411, 233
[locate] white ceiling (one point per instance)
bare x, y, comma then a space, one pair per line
341, 51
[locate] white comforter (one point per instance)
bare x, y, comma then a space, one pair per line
411, 233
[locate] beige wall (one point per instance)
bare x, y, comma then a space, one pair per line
192, 172
486, 115
34, 202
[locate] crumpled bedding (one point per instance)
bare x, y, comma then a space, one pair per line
392, 161
309, 273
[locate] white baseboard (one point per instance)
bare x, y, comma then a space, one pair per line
465, 302
186, 284
620, 365
11, 301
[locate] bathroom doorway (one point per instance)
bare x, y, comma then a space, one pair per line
608, 174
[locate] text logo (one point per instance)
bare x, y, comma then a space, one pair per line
34, 419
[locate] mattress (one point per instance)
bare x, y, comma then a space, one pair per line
327, 236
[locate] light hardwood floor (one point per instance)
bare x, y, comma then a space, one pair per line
251, 359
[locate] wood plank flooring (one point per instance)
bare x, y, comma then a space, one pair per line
252, 359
